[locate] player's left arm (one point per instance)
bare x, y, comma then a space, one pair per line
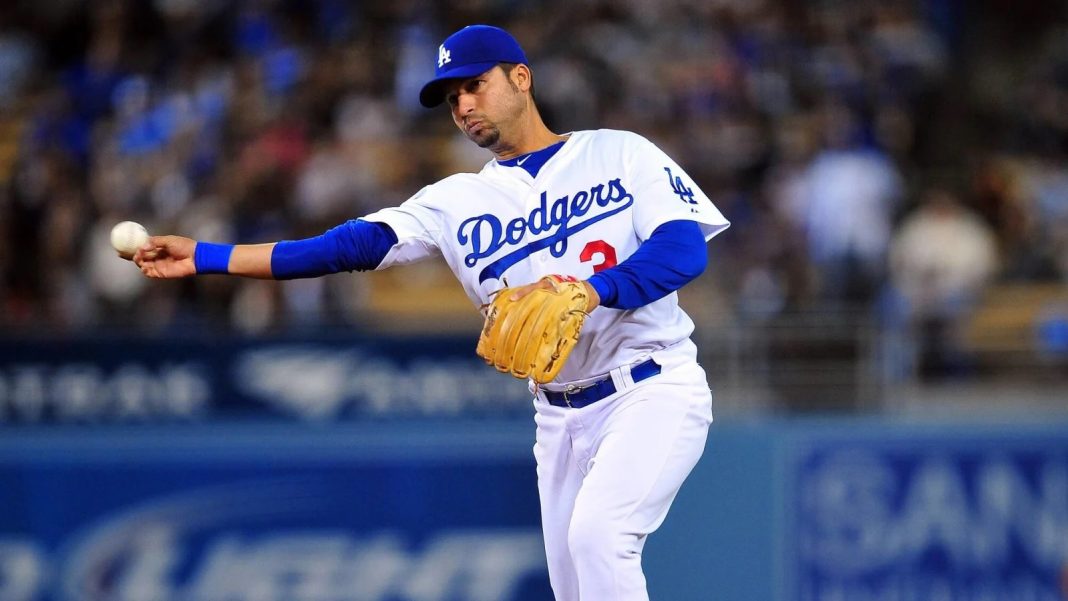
673, 256
672, 217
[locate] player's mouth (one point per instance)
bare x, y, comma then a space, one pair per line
473, 127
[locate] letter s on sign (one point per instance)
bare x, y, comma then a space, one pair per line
607, 252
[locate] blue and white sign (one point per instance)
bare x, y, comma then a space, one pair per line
904, 516
363, 514
122, 380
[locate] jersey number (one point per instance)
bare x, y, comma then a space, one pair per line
608, 255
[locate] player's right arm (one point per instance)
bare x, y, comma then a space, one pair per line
353, 246
168, 257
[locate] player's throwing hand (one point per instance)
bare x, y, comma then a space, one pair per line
166, 257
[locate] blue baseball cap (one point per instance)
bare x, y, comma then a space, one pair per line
471, 51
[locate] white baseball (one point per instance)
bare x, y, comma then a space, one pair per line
128, 236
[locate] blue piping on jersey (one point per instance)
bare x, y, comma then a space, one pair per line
498, 267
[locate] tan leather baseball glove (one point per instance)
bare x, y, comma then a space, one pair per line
533, 336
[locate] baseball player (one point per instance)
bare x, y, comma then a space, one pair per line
625, 420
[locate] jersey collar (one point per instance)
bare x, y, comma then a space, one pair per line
532, 162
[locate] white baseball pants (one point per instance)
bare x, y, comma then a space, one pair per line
608, 472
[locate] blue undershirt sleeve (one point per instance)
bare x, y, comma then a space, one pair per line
668, 260
355, 245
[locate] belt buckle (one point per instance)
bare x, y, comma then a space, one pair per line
571, 389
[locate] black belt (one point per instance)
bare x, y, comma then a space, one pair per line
576, 397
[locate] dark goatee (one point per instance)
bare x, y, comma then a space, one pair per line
487, 138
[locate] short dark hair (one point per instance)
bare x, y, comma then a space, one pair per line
509, 67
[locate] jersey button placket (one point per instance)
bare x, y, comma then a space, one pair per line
532, 203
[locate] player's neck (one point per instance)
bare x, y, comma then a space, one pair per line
533, 136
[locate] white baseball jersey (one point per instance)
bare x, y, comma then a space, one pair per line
589, 208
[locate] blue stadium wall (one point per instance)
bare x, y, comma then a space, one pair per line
401, 470
807, 511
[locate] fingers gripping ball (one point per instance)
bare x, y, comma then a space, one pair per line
533, 336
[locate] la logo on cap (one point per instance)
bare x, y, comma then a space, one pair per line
480, 47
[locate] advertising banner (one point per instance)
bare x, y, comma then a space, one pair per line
271, 515
447, 510
931, 514
118, 380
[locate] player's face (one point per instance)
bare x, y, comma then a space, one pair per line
485, 107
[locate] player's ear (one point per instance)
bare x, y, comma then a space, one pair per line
521, 77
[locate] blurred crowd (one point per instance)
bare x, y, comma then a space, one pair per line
893, 155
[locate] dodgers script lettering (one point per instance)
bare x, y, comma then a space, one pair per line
487, 235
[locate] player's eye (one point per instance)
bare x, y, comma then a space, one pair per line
451, 99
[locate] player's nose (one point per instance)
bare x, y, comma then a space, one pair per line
465, 104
